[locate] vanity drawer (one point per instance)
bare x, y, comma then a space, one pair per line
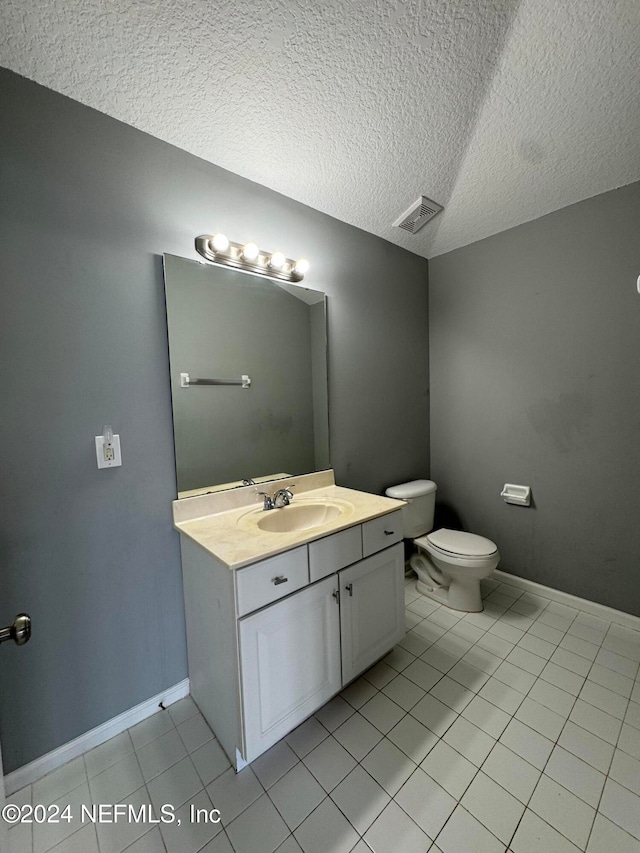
381, 532
334, 552
271, 579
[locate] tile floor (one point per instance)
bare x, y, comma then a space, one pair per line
516, 729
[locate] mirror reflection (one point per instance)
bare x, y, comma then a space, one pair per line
223, 325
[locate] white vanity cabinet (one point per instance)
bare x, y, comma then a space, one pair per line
290, 663
270, 643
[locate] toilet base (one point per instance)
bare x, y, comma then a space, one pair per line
465, 597
436, 593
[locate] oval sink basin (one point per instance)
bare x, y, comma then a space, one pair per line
298, 517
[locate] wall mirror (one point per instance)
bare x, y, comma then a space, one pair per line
222, 325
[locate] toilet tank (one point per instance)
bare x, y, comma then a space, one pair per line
417, 515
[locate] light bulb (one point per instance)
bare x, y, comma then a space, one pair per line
301, 266
107, 434
250, 252
277, 260
220, 243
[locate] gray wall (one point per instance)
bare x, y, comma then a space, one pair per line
87, 208
535, 379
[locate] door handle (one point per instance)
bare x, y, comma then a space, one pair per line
349, 588
19, 632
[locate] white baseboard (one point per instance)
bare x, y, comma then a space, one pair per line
628, 620
240, 762
52, 760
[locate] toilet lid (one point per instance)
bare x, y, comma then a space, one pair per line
462, 544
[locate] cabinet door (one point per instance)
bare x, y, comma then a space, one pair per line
371, 609
290, 663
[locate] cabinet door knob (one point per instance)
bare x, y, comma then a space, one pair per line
280, 579
336, 594
349, 588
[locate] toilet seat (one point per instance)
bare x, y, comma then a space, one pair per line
457, 544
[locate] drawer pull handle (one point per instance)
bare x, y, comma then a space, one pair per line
389, 532
349, 588
280, 579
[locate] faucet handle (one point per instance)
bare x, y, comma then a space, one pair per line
282, 497
268, 501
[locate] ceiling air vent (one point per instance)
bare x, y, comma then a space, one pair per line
418, 215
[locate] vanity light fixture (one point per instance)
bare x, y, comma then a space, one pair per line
301, 266
250, 252
247, 256
219, 243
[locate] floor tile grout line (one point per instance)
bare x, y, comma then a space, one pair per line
325, 792
144, 834
542, 773
565, 632
147, 791
188, 755
440, 739
359, 764
537, 676
327, 796
66, 794
62, 840
555, 743
607, 776
162, 711
419, 764
459, 803
402, 808
405, 713
282, 817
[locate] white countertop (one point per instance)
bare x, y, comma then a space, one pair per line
223, 531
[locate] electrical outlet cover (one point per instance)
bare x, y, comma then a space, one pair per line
117, 458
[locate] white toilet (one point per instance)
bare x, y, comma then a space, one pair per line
449, 563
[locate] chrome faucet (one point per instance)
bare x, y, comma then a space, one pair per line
281, 498
268, 503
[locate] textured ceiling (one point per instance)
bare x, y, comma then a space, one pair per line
500, 110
